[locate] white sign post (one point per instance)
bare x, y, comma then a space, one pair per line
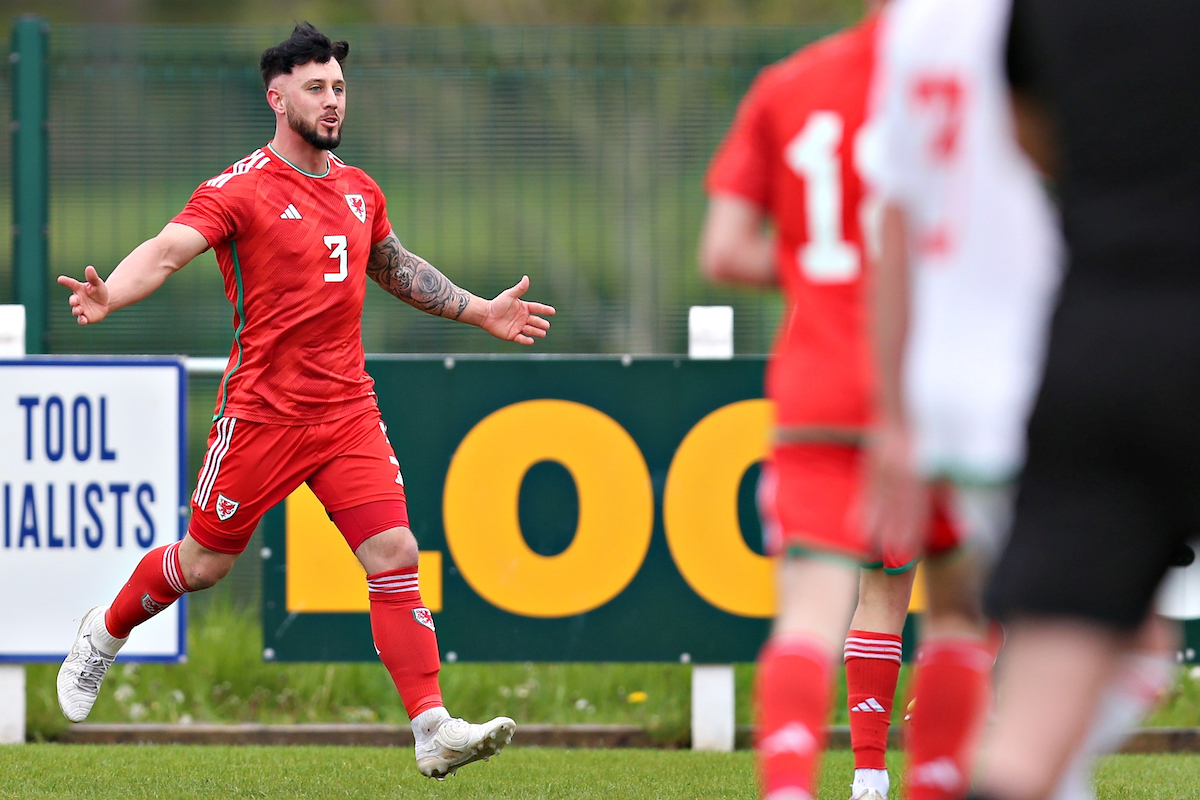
92, 476
710, 336
12, 331
710, 332
12, 676
12, 703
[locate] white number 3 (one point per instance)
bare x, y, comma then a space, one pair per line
337, 246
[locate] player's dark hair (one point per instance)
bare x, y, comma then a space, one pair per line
305, 45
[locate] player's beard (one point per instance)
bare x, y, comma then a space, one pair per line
309, 133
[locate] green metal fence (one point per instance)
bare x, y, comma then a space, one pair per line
573, 154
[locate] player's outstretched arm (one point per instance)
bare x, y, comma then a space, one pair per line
136, 277
734, 245
418, 283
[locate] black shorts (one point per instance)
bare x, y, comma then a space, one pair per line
1111, 489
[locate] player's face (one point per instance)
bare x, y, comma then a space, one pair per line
315, 102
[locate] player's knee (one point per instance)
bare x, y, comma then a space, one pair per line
954, 588
207, 570
888, 592
954, 610
395, 548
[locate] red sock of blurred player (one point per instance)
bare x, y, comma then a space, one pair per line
156, 583
872, 669
404, 637
793, 697
951, 690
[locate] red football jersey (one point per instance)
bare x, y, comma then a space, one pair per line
293, 250
796, 149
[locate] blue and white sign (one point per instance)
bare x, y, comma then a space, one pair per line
93, 464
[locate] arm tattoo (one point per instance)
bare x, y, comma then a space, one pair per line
414, 280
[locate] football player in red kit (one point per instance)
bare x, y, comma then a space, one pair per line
296, 233
800, 157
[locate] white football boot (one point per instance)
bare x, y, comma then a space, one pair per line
869, 794
457, 742
91, 655
870, 784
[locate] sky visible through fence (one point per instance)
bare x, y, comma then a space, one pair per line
575, 155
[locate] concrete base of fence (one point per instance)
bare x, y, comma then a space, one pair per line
1147, 740
600, 736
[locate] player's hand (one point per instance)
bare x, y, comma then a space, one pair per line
510, 318
897, 501
89, 299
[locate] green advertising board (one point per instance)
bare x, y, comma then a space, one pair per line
567, 509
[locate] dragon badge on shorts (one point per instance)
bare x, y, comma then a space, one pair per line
357, 205
425, 617
226, 508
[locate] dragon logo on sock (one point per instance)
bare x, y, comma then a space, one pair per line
423, 616
151, 605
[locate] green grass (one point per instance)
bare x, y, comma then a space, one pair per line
134, 772
43, 771
1145, 777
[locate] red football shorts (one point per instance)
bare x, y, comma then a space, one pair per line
251, 466
811, 498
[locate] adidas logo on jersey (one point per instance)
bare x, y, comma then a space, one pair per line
870, 704
290, 213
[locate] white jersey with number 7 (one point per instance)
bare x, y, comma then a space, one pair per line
984, 248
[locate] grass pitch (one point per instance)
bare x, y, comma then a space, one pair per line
135, 772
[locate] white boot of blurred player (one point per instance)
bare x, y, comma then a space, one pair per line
1134, 693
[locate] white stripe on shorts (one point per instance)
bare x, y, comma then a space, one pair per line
208, 459
212, 461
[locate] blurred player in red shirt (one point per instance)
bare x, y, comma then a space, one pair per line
798, 156
296, 233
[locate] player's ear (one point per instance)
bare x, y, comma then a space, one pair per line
275, 97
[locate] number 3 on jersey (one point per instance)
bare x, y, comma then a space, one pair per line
337, 249
813, 155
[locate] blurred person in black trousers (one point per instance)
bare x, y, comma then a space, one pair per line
1106, 98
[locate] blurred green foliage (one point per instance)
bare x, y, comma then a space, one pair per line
571, 154
443, 12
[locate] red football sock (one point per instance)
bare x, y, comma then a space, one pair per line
872, 668
405, 639
156, 583
793, 696
952, 694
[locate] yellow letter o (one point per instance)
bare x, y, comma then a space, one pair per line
700, 510
616, 508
